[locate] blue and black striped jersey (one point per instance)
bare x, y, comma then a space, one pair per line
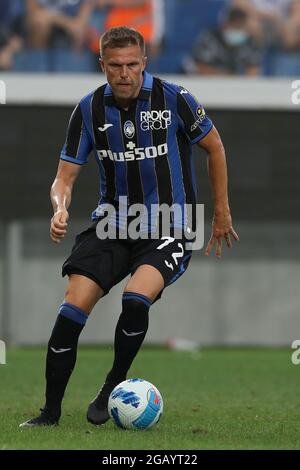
143, 153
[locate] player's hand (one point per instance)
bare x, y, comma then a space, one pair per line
221, 228
58, 226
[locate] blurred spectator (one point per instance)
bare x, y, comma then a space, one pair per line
57, 21
264, 8
265, 18
146, 16
228, 50
291, 29
11, 31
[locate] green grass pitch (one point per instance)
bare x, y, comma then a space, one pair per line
214, 399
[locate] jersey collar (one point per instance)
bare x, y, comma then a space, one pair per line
144, 94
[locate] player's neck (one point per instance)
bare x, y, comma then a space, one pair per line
124, 104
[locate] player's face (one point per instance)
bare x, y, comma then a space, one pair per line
124, 68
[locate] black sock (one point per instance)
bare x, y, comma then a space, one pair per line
61, 355
130, 332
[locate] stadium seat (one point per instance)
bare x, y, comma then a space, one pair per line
191, 17
185, 20
65, 60
286, 65
31, 60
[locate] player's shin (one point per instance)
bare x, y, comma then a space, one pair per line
61, 355
130, 332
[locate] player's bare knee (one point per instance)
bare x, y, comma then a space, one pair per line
147, 281
84, 302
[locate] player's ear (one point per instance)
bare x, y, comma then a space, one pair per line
101, 64
144, 62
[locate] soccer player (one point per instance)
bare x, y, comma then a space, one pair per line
141, 130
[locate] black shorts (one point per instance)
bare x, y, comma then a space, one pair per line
109, 261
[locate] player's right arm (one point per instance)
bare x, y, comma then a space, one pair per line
74, 154
61, 194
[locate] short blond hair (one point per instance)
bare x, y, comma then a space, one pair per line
121, 37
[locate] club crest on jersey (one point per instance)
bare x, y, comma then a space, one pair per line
155, 120
129, 129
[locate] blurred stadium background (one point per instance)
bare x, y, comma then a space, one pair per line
241, 66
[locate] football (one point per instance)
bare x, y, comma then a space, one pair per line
135, 404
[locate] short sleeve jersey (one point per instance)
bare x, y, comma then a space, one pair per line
143, 153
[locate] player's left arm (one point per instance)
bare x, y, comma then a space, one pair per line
217, 170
